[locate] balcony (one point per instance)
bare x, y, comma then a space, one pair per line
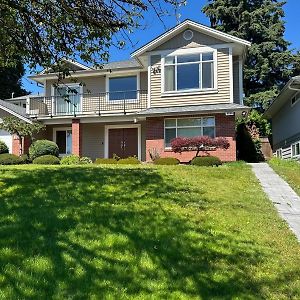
87, 104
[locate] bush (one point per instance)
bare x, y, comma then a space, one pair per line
24, 158
106, 161
46, 160
85, 160
166, 161
43, 147
70, 160
3, 148
206, 161
129, 161
9, 159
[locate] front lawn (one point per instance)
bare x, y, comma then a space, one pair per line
173, 232
288, 170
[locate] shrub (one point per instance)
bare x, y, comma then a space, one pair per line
46, 160
43, 147
85, 160
3, 148
166, 161
206, 161
106, 161
129, 161
9, 159
70, 160
24, 159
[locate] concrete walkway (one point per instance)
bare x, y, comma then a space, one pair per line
281, 194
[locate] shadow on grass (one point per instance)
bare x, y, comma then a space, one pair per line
78, 233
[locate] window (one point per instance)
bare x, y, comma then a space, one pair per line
188, 127
67, 99
121, 88
279, 153
189, 72
63, 140
295, 99
296, 149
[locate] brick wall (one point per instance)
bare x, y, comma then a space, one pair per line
76, 137
225, 127
16, 147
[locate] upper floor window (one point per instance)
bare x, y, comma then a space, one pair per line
121, 88
189, 72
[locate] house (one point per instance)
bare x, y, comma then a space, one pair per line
284, 113
185, 82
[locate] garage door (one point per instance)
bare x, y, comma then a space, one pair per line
6, 138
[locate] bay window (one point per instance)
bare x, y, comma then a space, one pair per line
189, 72
188, 127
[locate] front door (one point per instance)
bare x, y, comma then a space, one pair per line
123, 142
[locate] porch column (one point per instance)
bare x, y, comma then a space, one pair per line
76, 137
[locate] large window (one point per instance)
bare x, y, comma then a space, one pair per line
189, 72
121, 88
67, 98
296, 149
188, 127
63, 140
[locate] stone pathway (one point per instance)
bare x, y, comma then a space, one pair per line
281, 194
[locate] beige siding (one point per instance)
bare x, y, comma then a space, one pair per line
198, 40
144, 81
236, 80
221, 96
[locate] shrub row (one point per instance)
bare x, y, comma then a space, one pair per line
122, 161
3, 148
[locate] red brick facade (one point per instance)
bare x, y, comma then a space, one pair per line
16, 146
225, 127
76, 137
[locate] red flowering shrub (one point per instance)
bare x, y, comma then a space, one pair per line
198, 143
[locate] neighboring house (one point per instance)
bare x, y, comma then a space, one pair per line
284, 113
185, 82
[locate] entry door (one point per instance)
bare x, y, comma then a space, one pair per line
123, 142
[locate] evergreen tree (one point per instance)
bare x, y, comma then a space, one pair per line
10, 81
270, 63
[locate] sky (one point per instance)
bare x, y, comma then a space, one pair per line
191, 11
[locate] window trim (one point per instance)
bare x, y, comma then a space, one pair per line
54, 138
138, 83
54, 100
297, 97
176, 127
294, 144
199, 51
280, 151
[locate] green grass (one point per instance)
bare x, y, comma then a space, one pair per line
119, 232
288, 170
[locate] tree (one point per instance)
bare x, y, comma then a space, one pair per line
21, 129
10, 81
270, 63
198, 143
44, 33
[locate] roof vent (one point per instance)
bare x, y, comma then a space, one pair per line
188, 35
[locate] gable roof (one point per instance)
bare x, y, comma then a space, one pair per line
185, 25
15, 110
288, 91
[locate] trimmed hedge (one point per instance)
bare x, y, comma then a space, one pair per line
46, 160
166, 161
9, 159
105, 161
43, 147
206, 161
24, 158
85, 160
128, 161
3, 148
70, 160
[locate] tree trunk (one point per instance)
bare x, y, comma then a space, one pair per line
20, 145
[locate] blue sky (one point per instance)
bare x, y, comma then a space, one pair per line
192, 11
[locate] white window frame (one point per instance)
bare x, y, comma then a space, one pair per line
179, 127
199, 51
293, 145
297, 97
279, 153
138, 83
69, 85
54, 138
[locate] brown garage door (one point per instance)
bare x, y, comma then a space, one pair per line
123, 142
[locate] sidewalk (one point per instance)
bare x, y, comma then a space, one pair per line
281, 194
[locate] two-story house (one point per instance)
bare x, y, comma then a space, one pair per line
186, 82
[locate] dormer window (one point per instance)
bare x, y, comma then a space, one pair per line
188, 72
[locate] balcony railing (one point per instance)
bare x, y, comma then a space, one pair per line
88, 104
